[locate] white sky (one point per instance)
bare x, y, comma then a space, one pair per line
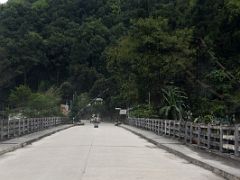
3, 1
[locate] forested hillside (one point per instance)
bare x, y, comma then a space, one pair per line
167, 58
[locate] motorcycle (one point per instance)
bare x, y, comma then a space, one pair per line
96, 122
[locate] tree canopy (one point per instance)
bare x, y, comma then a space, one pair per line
129, 52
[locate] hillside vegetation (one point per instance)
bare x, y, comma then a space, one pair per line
182, 56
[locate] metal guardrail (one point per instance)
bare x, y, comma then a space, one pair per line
224, 139
19, 127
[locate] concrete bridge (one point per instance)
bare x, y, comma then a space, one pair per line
104, 153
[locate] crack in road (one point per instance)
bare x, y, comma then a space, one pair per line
87, 159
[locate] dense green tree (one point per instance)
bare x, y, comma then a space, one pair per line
150, 57
40, 104
125, 51
20, 96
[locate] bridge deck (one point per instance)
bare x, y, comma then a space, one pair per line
87, 153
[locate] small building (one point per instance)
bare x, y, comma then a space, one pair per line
64, 108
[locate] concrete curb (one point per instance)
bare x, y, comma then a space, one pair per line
197, 162
21, 145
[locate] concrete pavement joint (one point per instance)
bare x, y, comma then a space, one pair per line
87, 159
204, 165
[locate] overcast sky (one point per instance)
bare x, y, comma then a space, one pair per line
2, 1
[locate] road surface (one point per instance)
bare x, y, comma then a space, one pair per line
106, 153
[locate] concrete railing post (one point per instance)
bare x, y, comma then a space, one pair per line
38, 124
186, 133
44, 122
31, 124
19, 127
156, 126
180, 129
165, 129
23, 126
28, 125
221, 138
209, 137
191, 134
174, 129
8, 129
34, 124
236, 139
1, 129
152, 125
199, 134
148, 124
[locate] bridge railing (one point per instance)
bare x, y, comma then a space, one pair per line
19, 127
220, 138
